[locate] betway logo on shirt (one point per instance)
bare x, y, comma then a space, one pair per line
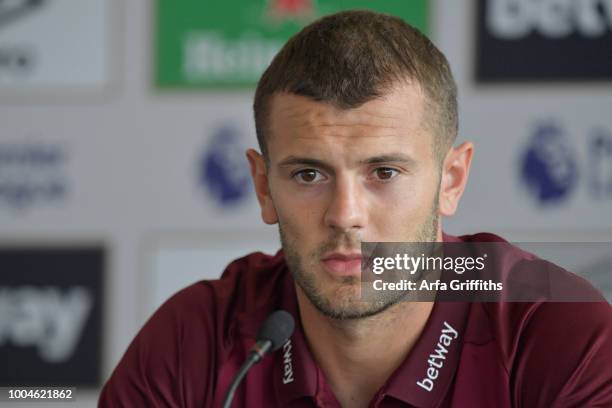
287, 363
437, 359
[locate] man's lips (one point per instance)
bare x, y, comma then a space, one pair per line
342, 264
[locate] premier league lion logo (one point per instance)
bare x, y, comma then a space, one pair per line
224, 169
548, 166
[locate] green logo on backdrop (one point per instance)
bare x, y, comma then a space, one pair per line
228, 43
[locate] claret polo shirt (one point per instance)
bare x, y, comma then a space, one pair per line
529, 354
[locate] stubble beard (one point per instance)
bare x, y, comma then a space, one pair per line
349, 305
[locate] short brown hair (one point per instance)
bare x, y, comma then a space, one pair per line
352, 57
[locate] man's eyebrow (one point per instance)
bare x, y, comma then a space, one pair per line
386, 158
303, 161
390, 158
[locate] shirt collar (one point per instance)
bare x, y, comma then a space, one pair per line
445, 319
295, 371
438, 335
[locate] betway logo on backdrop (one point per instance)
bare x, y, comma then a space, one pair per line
221, 44
51, 304
532, 40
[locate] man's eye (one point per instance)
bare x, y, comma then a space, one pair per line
385, 173
309, 176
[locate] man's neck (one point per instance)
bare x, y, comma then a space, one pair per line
357, 356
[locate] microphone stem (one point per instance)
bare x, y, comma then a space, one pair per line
255, 355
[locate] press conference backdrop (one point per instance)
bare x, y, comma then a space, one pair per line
124, 125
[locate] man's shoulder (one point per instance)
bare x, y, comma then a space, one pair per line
182, 344
567, 302
562, 347
527, 277
516, 326
550, 353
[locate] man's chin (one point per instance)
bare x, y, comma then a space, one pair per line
345, 303
353, 311
339, 297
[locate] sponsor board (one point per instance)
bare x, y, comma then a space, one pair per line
33, 173
51, 314
55, 45
543, 40
216, 44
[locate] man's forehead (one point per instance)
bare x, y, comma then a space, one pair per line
394, 119
301, 109
403, 102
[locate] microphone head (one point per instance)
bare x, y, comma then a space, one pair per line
277, 328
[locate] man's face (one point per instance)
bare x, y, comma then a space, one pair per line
338, 177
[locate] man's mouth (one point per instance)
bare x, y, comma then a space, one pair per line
342, 263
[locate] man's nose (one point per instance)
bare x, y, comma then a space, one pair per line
347, 207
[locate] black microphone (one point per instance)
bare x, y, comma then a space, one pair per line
274, 332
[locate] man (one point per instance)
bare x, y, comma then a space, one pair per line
356, 119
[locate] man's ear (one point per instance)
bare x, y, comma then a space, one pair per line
259, 173
455, 172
